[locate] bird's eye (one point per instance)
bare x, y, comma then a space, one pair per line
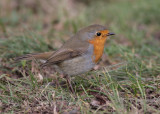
98, 33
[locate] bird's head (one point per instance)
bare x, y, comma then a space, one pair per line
94, 31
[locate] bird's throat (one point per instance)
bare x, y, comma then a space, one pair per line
98, 44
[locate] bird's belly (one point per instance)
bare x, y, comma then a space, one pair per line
77, 65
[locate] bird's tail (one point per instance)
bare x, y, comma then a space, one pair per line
42, 56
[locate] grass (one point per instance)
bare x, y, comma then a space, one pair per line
129, 81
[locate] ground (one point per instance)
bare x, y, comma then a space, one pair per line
127, 80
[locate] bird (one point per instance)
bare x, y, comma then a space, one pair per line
79, 54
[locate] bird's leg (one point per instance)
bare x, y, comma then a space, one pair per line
68, 79
57, 82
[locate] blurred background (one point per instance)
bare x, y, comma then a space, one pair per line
28, 26
51, 22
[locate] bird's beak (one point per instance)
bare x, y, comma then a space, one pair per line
109, 34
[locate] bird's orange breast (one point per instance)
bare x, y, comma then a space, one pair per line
98, 44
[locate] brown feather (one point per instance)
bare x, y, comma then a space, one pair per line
42, 56
69, 50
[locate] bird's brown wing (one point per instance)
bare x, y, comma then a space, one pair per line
68, 51
62, 55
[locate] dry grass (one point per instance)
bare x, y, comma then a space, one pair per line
127, 80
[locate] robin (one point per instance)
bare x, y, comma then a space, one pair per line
79, 54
